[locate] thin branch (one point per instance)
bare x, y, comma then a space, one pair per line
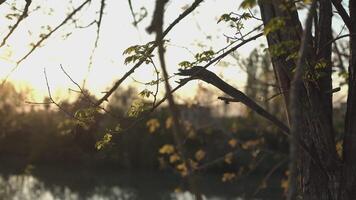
132, 13
98, 23
275, 95
228, 100
86, 26
157, 26
23, 16
212, 61
38, 103
338, 38
43, 38
137, 65
181, 84
241, 39
51, 100
269, 174
86, 96
46, 36
341, 65
157, 84
213, 79
342, 12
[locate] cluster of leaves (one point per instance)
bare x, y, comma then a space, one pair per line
139, 53
146, 93
137, 107
235, 20
107, 137
176, 160
104, 141
85, 117
153, 125
204, 56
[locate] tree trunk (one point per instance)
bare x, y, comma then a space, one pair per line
349, 153
318, 162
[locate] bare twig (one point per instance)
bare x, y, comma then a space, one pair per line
51, 100
157, 84
98, 23
132, 13
86, 95
338, 38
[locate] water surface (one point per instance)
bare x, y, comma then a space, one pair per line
67, 184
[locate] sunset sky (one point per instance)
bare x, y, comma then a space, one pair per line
116, 35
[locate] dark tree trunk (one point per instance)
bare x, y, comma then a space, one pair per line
349, 153
318, 162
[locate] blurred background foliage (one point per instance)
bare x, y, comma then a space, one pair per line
79, 136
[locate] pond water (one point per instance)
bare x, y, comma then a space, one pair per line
67, 184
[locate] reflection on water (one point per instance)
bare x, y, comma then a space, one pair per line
57, 185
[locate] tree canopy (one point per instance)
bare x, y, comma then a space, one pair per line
308, 56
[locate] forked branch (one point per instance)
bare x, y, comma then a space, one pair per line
209, 77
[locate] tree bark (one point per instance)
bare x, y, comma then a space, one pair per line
349, 151
318, 167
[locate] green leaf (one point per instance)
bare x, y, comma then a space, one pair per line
246, 16
85, 116
103, 142
145, 93
225, 17
204, 56
185, 64
246, 4
136, 108
130, 49
321, 64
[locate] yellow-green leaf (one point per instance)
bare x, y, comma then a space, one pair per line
228, 177
200, 155
153, 125
166, 149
